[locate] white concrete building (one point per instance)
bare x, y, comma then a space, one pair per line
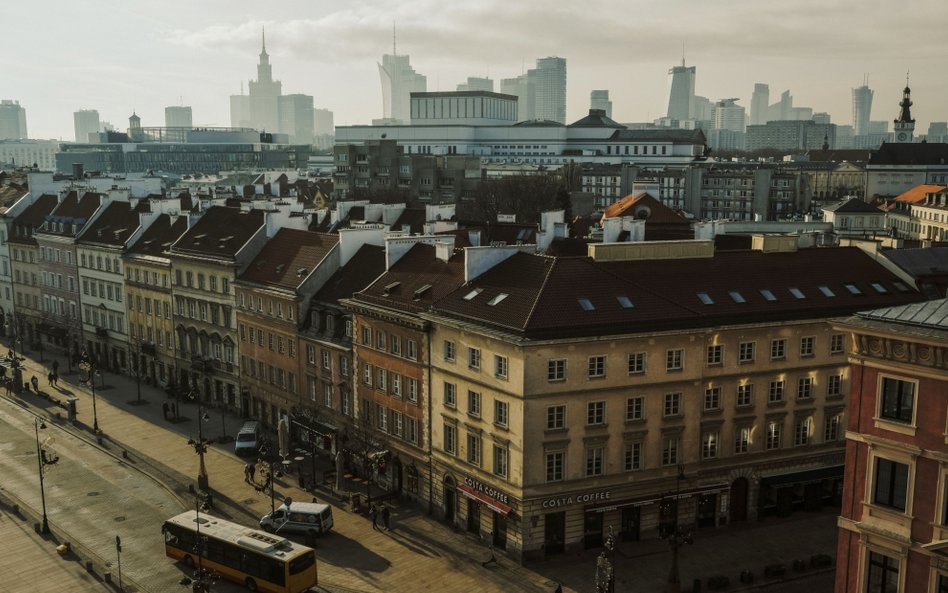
599, 99
399, 80
26, 153
176, 116
87, 125
12, 120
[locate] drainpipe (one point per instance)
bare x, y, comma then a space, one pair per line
428, 438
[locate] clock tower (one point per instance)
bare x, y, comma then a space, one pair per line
904, 124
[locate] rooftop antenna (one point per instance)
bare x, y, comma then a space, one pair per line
682, 54
263, 30
394, 51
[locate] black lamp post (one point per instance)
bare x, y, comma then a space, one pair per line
200, 445
606, 565
90, 366
43, 461
202, 578
677, 536
267, 457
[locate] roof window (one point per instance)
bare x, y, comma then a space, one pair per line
737, 297
852, 288
705, 298
767, 294
827, 292
879, 288
497, 299
625, 302
797, 293
420, 291
470, 296
586, 304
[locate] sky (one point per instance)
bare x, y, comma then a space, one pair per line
116, 57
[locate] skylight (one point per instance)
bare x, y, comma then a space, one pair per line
469, 296
797, 293
853, 289
827, 292
586, 304
625, 302
764, 292
705, 298
737, 297
879, 288
497, 299
421, 291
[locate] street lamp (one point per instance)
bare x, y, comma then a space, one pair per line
89, 365
202, 578
200, 445
267, 457
606, 565
42, 460
676, 536
17, 373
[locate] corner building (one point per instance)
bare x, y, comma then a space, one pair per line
569, 394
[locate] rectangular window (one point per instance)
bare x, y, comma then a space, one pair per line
473, 403
633, 457
595, 412
367, 374
411, 350
747, 352
449, 350
450, 439
500, 461
742, 440
593, 461
672, 405
381, 382
674, 360
554, 466
326, 358
450, 395
473, 449
597, 367
500, 366
556, 417
801, 432
897, 401
836, 344
501, 411
831, 428
745, 395
882, 575
773, 435
556, 370
634, 407
891, 483
327, 392
804, 388
778, 349
412, 385
396, 384
397, 424
715, 355
310, 350
712, 399
411, 434
395, 343
474, 358
366, 336
834, 386
670, 450
709, 445
776, 392
807, 346
380, 342
636, 363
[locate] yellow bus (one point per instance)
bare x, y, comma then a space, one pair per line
258, 560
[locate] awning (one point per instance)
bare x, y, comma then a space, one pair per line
807, 477
483, 498
652, 498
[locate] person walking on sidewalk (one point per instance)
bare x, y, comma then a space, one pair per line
49, 378
251, 471
35, 383
386, 514
247, 467
374, 514
164, 410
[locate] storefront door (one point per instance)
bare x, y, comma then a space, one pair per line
592, 530
739, 500
707, 510
554, 532
631, 523
500, 531
449, 500
473, 516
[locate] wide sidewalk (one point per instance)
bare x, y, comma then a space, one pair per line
420, 553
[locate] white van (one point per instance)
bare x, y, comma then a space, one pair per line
248, 439
301, 517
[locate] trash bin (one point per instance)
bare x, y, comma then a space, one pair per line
71, 409
356, 502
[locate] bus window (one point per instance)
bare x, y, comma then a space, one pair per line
302, 563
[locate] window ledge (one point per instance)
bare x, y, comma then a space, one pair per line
776, 404
893, 426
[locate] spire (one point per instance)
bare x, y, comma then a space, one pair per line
263, 34
905, 113
394, 45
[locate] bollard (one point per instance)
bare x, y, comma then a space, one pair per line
37, 528
107, 577
89, 566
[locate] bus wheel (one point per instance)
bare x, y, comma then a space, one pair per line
268, 528
251, 584
188, 561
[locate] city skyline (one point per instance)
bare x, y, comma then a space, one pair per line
152, 58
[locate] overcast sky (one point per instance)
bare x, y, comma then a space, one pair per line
64, 55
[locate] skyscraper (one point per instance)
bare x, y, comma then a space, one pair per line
550, 89
86, 122
523, 88
760, 104
240, 110
296, 118
600, 100
681, 93
265, 95
399, 81
12, 120
477, 84
728, 115
178, 116
862, 109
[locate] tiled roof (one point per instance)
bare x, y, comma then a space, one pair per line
920, 262
415, 281
287, 260
853, 205
562, 296
695, 136
222, 231
411, 219
31, 218
912, 153
113, 227
596, 119
657, 213
160, 235
78, 208
364, 267
930, 314
917, 193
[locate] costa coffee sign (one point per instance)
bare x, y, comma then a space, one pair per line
486, 489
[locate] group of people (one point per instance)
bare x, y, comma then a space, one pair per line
385, 514
249, 471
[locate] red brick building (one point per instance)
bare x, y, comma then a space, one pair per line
893, 532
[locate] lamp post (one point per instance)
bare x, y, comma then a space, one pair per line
606, 565
676, 537
17, 374
200, 445
90, 366
267, 457
42, 460
201, 582
138, 373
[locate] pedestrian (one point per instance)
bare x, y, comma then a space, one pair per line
35, 383
247, 467
174, 410
251, 471
55, 379
374, 514
386, 514
164, 410
49, 378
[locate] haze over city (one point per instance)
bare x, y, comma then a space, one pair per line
144, 57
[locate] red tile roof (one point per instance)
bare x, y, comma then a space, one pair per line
288, 259
917, 193
643, 205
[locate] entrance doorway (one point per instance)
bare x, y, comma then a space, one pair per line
500, 531
473, 516
707, 510
554, 527
449, 499
738, 510
397, 475
592, 530
631, 524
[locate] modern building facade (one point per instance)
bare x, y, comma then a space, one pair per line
541, 91
176, 116
681, 92
600, 100
296, 118
893, 529
87, 125
862, 109
12, 120
399, 80
474, 83
760, 104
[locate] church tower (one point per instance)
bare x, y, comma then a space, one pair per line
904, 124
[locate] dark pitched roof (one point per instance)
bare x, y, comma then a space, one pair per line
415, 281
113, 227
695, 136
75, 207
920, 262
411, 219
916, 153
837, 156
596, 119
31, 218
643, 205
549, 297
160, 235
855, 205
364, 267
222, 231
539, 123
287, 260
